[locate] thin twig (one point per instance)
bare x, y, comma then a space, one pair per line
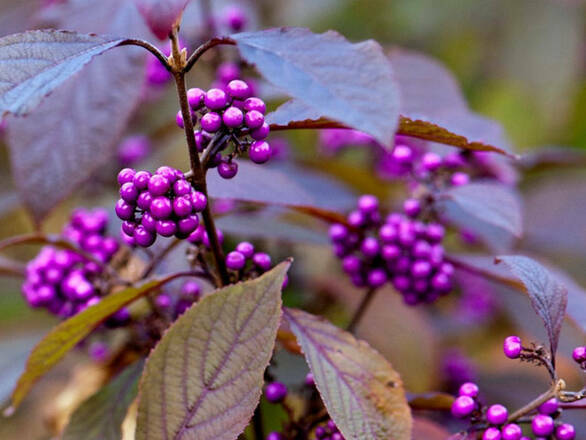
159, 257
197, 53
361, 309
552, 392
152, 49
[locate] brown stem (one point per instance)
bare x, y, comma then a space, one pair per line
197, 53
152, 49
198, 180
361, 310
159, 257
552, 392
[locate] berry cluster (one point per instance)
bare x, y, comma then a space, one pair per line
544, 420
235, 113
401, 250
328, 431
175, 305
163, 203
260, 262
62, 280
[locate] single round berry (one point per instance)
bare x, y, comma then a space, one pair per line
235, 260
512, 431
356, 219
565, 432
275, 392
126, 175
542, 425
255, 104
260, 152
182, 206
179, 120
492, 434
469, 389
309, 380
368, 204
148, 222
549, 407
254, 119
463, 406
431, 161
128, 192
141, 180
187, 225
351, 264
161, 208
233, 117
275, 436
412, 207
338, 232
262, 260
227, 170
435, 232
261, 132
215, 99
460, 179
245, 248
402, 154
579, 354
143, 237
198, 201
238, 89
211, 122
124, 211
166, 228
195, 98
158, 185
497, 414
163, 301
377, 277
236, 20
512, 347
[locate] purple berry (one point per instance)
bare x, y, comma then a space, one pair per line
197, 235
377, 277
198, 201
275, 436
260, 152
166, 228
403, 154
124, 211
235, 260
211, 122
412, 207
431, 161
435, 232
492, 434
227, 72
262, 260
163, 301
338, 232
368, 204
235, 18
227, 170
161, 208
549, 407
469, 389
144, 238
148, 222
579, 354
463, 406
179, 120
126, 175
459, 179
351, 264
512, 431
182, 207
128, 192
233, 117
261, 132
512, 347
542, 425
245, 248
565, 432
195, 98
181, 188
215, 99
370, 247
158, 185
238, 89
275, 392
309, 380
190, 290
356, 219
141, 180
497, 414
254, 119
390, 252
255, 104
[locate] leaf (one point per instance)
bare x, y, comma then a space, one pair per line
34, 63
75, 131
204, 378
69, 333
100, 417
287, 185
548, 296
161, 15
349, 83
490, 203
361, 391
425, 429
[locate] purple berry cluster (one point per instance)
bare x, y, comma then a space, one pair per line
62, 280
175, 305
233, 111
328, 431
400, 250
247, 263
162, 203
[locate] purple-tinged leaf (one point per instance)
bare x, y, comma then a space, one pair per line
363, 394
75, 130
433, 105
69, 333
287, 185
161, 15
349, 83
480, 204
425, 429
100, 417
204, 378
34, 63
549, 297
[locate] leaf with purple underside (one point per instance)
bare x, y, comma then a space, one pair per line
100, 417
349, 83
161, 15
75, 130
64, 337
363, 394
549, 297
34, 63
204, 378
482, 203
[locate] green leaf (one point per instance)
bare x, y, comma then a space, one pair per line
362, 392
549, 297
333, 77
69, 333
204, 378
100, 417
